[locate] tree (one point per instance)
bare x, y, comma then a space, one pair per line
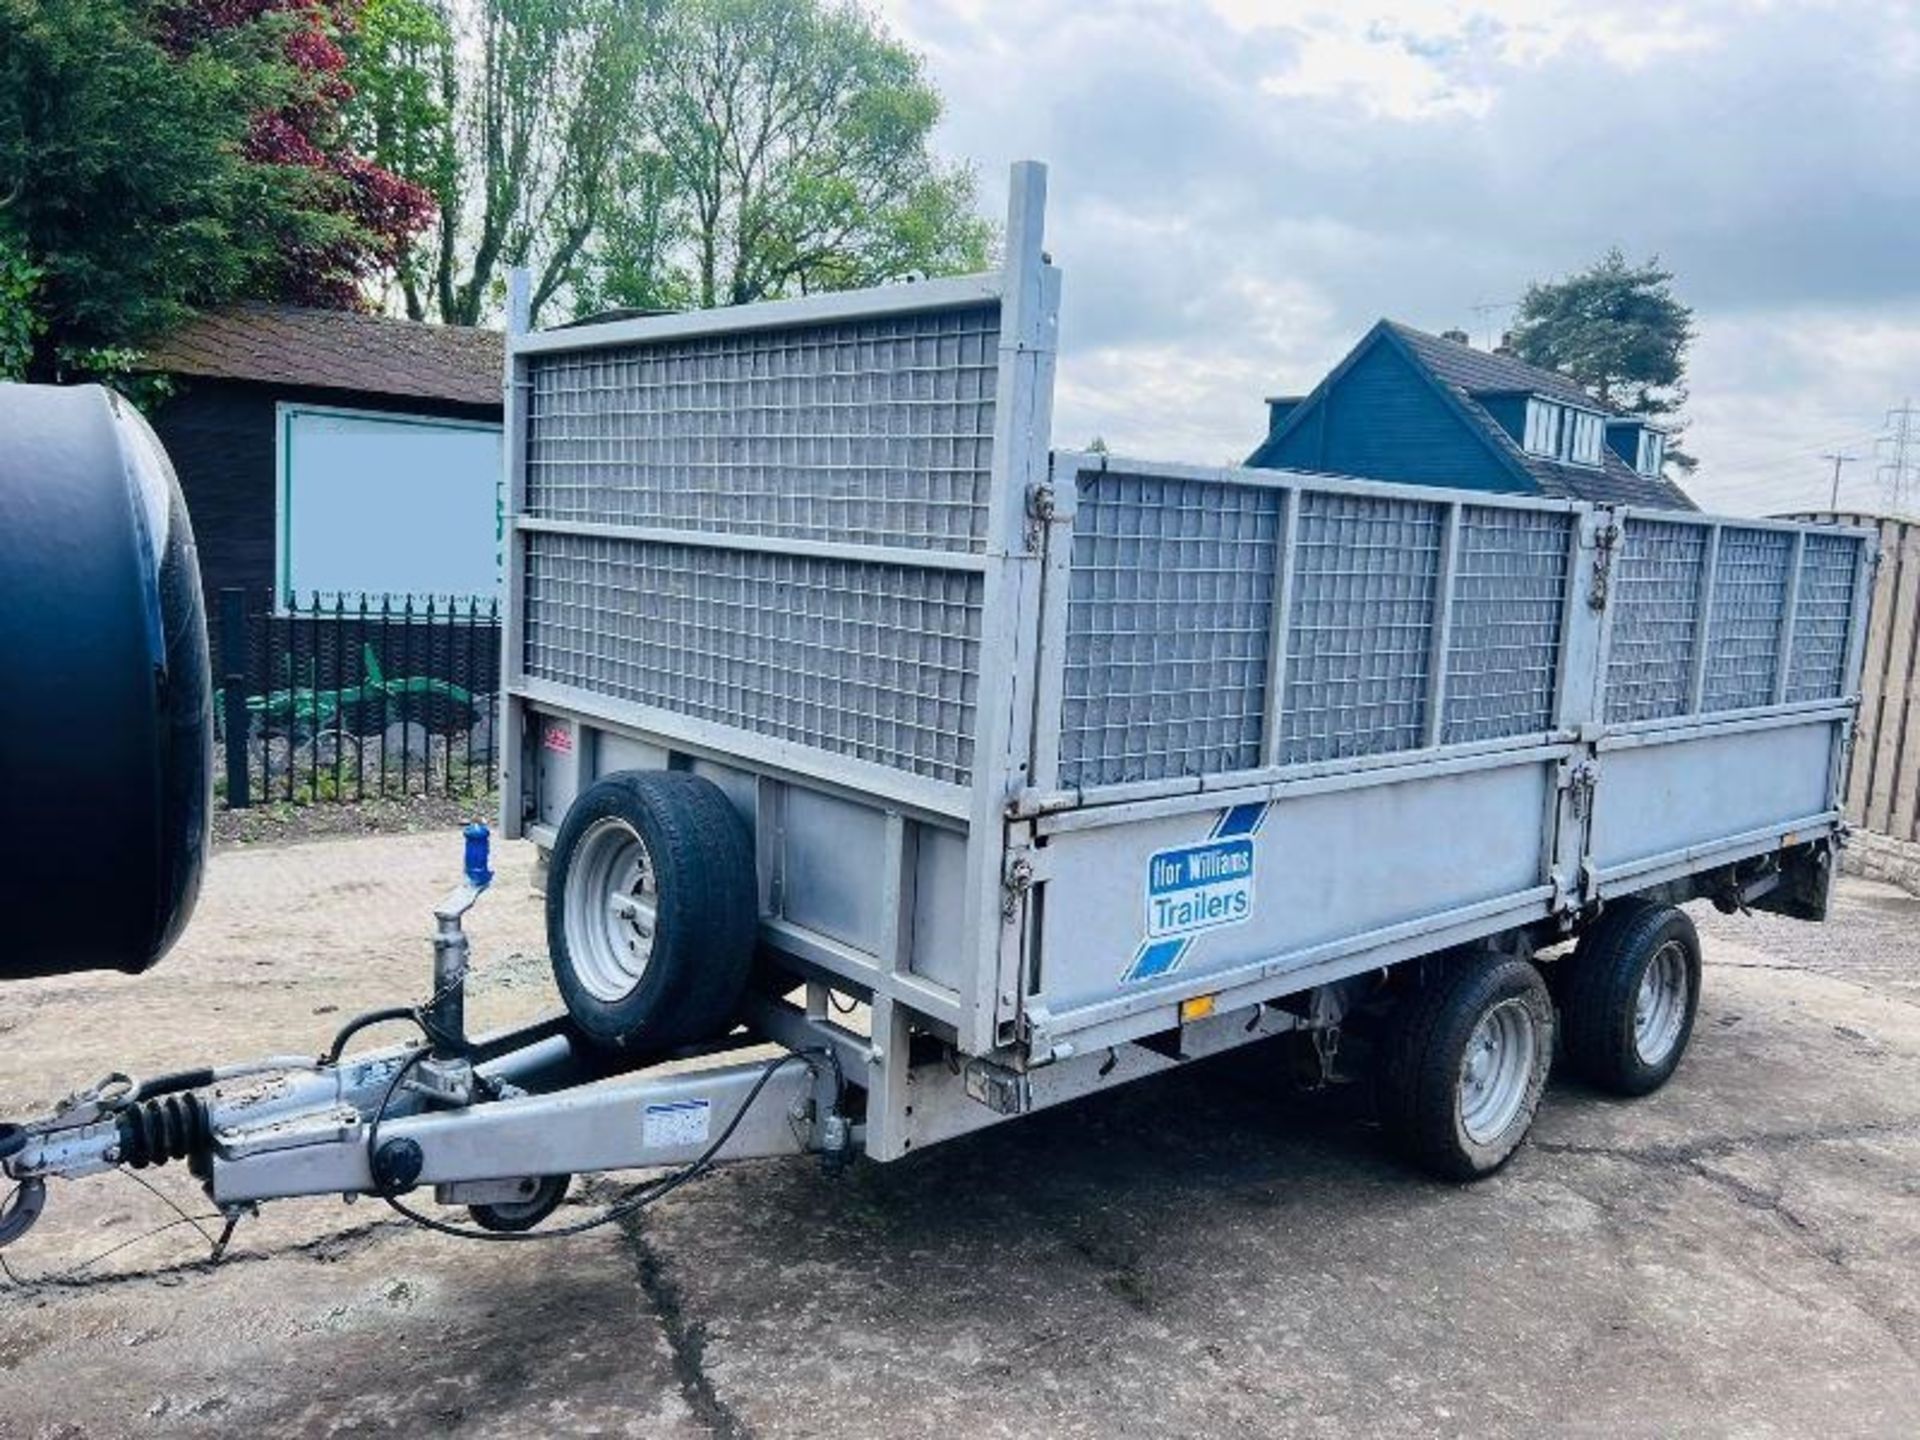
517, 127
401, 56
353, 218
1618, 330
656, 154
792, 141
159, 155
402, 60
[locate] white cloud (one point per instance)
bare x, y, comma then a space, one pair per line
1241, 186
1385, 74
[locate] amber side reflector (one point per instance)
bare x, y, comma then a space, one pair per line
1198, 1008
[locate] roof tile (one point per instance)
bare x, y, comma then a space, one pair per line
1470, 373
336, 350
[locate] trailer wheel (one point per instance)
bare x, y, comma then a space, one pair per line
1630, 995
652, 909
1465, 1066
513, 1216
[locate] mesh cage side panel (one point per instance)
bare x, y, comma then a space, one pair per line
875, 431
1822, 617
1168, 613
869, 661
1750, 576
1509, 604
1656, 579
1361, 633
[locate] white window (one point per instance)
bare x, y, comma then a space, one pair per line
1653, 452
374, 504
1561, 432
1543, 428
1585, 433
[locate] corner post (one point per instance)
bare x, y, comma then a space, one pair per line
513, 455
1010, 605
234, 666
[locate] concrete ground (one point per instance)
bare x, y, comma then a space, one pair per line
1197, 1255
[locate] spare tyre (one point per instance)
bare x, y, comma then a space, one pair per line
105, 702
652, 909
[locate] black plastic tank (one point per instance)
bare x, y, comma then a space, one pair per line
106, 717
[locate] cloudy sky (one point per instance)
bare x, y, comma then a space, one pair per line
1240, 187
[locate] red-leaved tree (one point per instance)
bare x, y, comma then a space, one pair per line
357, 217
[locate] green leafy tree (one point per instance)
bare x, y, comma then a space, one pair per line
515, 114
406, 86
656, 154
1618, 330
630, 264
160, 155
20, 320
121, 177
793, 154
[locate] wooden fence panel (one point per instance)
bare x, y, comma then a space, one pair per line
1883, 784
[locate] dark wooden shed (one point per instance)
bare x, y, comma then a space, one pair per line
249, 376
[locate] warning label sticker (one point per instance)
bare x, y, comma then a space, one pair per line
1199, 887
675, 1122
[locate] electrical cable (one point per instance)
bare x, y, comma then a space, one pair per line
331, 1056
419, 1014
637, 1199
168, 1201
62, 1276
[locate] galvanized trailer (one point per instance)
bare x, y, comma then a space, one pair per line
1068, 769
1076, 766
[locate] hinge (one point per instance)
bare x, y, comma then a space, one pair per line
1605, 541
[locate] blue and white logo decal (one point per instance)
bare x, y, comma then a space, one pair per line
1194, 888
1198, 887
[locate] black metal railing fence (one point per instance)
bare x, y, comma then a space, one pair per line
333, 700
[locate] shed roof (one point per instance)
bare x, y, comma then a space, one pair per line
336, 350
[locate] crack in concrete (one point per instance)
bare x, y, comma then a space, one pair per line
1808, 1237
1693, 1160
1818, 972
686, 1338
1713, 1146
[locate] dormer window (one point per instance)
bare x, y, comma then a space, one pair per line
1653, 453
1543, 428
1564, 432
1585, 434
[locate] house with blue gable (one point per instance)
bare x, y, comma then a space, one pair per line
1432, 410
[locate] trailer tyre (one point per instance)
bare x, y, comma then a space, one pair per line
1629, 997
1465, 1066
652, 909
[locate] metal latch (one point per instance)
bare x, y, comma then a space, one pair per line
1017, 880
1605, 541
1580, 782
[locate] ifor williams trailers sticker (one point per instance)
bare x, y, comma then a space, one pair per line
1191, 889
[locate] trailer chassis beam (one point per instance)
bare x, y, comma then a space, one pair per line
639, 1123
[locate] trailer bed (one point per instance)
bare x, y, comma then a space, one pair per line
1048, 754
